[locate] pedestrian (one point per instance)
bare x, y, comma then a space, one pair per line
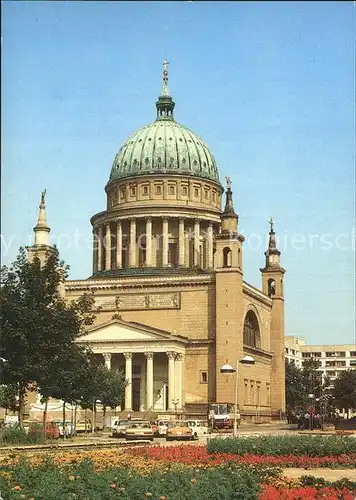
306, 420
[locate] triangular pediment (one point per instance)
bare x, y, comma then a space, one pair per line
123, 331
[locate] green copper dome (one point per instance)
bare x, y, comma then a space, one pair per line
164, 147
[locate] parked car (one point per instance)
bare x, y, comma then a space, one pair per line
51, 429
69, 428
139, 430
162, 427
154, 425
118, 428
179, 430
83, 426
199, 428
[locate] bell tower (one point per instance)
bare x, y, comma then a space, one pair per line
229, 296
272, 285
41, 246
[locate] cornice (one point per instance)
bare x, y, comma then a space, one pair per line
142, 212
139, 282
257, 351
256, 294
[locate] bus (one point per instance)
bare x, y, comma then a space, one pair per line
221, 415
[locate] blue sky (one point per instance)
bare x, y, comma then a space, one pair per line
269, 86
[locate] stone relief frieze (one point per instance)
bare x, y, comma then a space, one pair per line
138, 302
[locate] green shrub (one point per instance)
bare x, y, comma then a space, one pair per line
16, 435
81, 481
313, 446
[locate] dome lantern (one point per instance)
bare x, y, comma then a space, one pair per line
165, 104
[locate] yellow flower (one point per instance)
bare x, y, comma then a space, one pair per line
148, 494
71, 477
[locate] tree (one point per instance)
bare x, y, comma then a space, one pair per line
8, 397
312, 378
36, 323
111, 387
344, 390
104, 385
295, 390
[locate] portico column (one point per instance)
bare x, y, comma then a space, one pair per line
95, 251
132, 242
181, 242
107, 358
149, 379
209, 246
178, 379
119, 245
149, 242
100, 247
171, 356
107, 248
165, 242
187, 237
196, 242
128, 377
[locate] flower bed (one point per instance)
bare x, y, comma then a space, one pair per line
198, 456
312, 446
305, 493
167, 473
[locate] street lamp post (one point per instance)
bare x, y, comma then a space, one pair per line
93, 424
227, 369
311, 397
175, 403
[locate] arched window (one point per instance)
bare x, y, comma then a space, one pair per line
271, 287
227, 257
251, 330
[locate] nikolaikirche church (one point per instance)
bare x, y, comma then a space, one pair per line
168, 276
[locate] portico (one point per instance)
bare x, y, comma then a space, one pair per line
151, 360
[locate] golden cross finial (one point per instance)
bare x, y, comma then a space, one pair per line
228, 182
165, 91
43, 194
271, 222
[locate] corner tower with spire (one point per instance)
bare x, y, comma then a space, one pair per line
229, 295
41, 244
272, 285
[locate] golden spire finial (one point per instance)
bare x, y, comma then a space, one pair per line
165, 90
271, 222
43, 195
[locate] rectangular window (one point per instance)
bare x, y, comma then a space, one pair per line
330, 354
171, 190
159, 190
196, 192
214, 196
306, 355
133, 191
122, 194
353, 362
203, 377
330, 363
185, 191
145, 190
206, 194
353, 354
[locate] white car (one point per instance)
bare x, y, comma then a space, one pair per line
118, 428
199, 428
162, 427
